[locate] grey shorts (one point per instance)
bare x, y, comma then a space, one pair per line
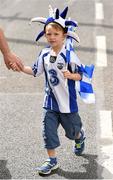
71, 122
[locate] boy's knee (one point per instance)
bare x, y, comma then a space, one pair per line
73, 134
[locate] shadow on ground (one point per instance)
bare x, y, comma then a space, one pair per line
93, 170
4, 172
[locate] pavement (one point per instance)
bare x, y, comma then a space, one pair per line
21, 95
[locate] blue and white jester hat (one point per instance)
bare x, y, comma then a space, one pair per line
57, 17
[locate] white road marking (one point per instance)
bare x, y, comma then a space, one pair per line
101, 55
105, 132
106, 139
106, 124
99, 13
107, 154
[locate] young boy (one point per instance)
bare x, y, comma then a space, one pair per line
60, 101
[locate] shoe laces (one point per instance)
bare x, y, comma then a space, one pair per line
47, 163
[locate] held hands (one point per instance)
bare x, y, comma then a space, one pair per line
13, 62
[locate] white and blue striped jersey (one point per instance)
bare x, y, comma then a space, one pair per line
58, 96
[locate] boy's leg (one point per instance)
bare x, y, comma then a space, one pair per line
50, 164
79, 143
51, 153
72, 124
50, 126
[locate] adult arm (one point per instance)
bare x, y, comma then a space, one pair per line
9, 57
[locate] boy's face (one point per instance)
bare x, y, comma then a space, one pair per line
55, 37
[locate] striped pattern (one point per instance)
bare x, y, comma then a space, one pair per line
84, 86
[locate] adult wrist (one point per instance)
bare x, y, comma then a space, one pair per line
6, 53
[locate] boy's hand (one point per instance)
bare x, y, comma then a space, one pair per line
67, 74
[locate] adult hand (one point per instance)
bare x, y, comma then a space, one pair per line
13, 62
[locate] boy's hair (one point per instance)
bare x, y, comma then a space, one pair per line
56, 26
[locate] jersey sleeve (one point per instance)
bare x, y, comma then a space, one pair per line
37, 67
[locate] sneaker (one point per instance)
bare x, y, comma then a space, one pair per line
47, 167
79, 144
